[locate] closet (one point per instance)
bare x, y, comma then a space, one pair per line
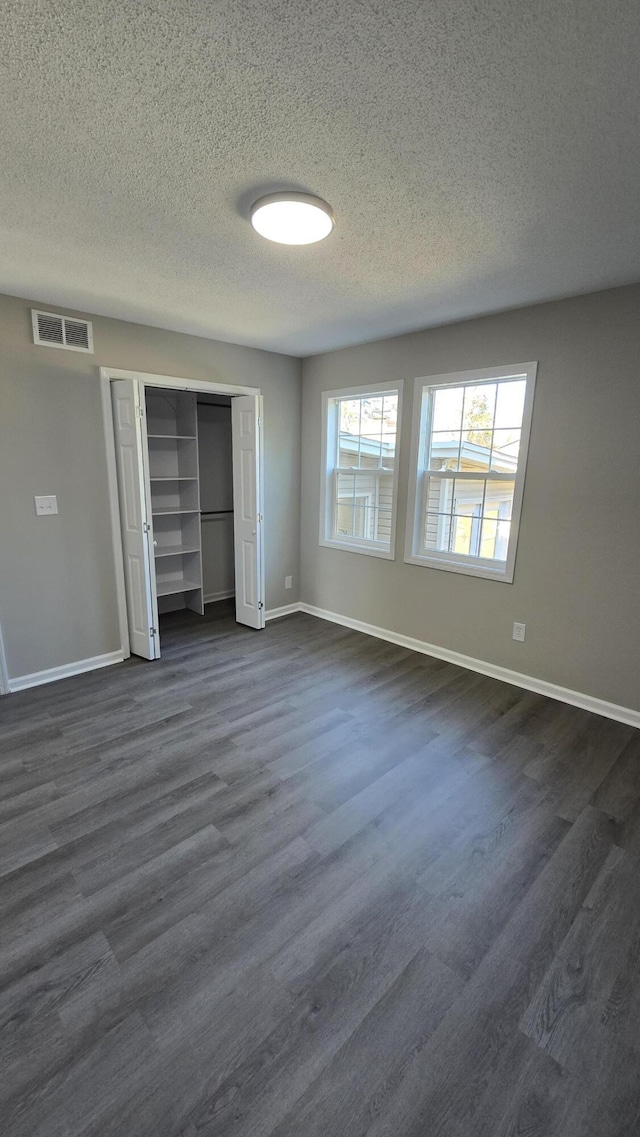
172, 440
161, 475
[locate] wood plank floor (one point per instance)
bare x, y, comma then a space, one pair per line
302, 882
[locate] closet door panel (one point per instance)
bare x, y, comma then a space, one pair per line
132, 489
245, 425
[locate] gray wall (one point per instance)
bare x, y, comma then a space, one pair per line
57, 586
577, 578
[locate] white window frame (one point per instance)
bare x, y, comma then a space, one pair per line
416, 505
330, 429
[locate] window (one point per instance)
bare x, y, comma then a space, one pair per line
471, 433
359, 475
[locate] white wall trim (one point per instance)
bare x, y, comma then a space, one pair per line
212, 597
329, 444
285, 610
178, 383
37, 678
106, 374
4, 674
418, 477
530, 683
114, 512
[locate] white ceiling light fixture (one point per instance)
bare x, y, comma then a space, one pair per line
292, 218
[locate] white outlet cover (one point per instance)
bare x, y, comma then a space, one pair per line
519, 631
288, 582
46, 506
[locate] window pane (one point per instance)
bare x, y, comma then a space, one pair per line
502, 540
510, 404
468, 496
353, 517
440, 495
447, 408
346, 486
388, 450
390, 413
362, 482
499, 500
381, 525
445, 446
506, 447
475, 455
350, 415
368, 431
371, 422
489, 537
349, 446
363, 508
384, 497
479, 409
343, 525
495, 539
437, 532
461, 535
350, 520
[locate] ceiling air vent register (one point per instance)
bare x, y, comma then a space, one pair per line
52, 330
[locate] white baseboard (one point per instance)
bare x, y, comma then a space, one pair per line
285, 610
37, 678
530, 683
212, 597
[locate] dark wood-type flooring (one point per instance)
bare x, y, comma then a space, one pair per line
303, 882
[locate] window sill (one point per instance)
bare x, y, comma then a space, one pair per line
485, 572
368, 550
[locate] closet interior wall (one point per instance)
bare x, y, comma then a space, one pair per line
216, 497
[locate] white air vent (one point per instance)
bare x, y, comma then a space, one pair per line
51, 330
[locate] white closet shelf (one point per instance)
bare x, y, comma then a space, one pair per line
191, 437
176, 550
171, 587
171, 478
168, 512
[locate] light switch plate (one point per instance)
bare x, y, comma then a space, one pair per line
46, 506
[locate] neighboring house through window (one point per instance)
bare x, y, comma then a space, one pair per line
471, 433
359, 472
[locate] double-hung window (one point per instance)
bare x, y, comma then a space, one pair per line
359, 478
471, 433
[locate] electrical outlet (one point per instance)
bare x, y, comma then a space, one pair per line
46, 506
519, 632
288, 582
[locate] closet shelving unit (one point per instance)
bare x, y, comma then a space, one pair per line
172, 437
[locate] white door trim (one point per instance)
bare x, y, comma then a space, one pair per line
149, 380
4, 674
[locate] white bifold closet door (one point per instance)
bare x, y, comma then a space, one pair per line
246, 413
131, 462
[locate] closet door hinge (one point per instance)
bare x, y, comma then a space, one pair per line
152, 631
146, 528
260, 604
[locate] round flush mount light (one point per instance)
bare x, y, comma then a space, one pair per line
292, 218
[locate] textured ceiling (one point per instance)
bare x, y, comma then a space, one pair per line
478, 154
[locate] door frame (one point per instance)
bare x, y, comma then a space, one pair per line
176, 383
